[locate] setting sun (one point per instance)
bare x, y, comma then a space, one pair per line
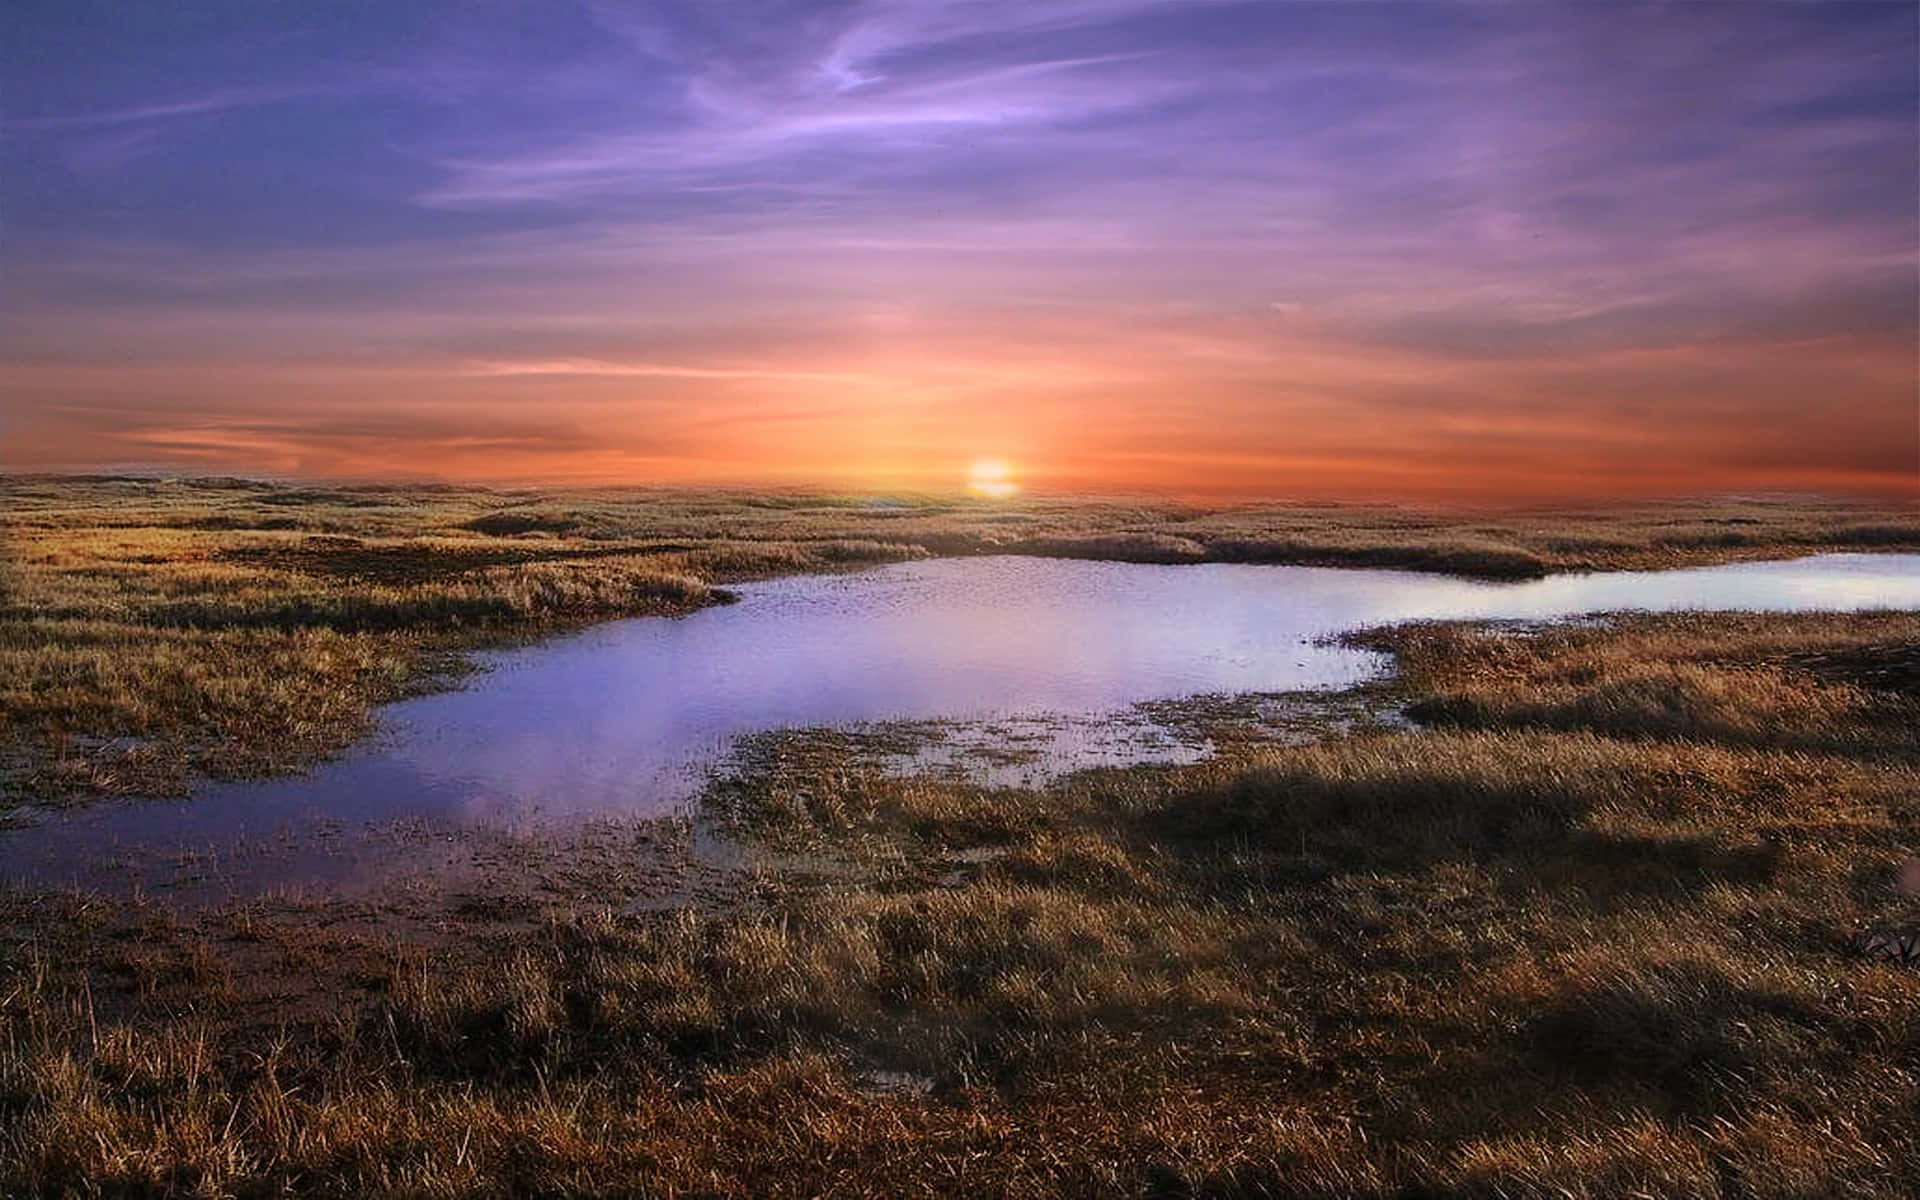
991, 477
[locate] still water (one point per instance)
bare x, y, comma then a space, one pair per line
625, 719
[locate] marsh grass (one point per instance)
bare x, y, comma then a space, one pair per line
1569, 942
1822, 682
1584, 936
154, 630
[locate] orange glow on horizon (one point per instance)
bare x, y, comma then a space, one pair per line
1207, 409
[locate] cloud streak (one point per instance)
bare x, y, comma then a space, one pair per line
222, 100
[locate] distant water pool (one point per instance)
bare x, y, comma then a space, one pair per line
625, 719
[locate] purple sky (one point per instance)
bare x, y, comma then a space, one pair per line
1479, 250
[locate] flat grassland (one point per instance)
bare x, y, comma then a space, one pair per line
1584, 932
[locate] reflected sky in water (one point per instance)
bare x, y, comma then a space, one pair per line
624, 719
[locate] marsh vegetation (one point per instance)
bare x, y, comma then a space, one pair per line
1584, 932
151, 631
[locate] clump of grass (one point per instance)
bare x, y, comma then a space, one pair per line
515, 522
501, 596
1484, 559
861, 551
1789, 681
1904, 534
1112, 547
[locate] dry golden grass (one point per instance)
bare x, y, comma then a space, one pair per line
1820, 682
1573, 943
153, 630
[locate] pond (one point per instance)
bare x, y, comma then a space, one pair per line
626, 719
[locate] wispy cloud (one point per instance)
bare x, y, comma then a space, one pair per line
573, 367
736, 131
220, 100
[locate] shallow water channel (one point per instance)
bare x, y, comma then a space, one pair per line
628, 718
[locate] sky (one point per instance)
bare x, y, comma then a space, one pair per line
1407, 250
